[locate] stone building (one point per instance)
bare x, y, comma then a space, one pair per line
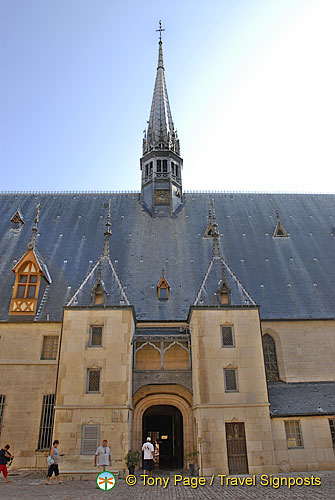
205, 320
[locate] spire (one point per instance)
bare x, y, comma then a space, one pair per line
107, 233
34, 230
216, 244
160, 132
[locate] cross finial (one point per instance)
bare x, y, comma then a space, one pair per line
160, 31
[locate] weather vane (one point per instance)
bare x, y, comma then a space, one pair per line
160, 30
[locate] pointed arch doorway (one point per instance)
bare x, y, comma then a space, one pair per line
164, 424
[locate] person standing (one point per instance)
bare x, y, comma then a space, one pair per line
102, 457
53, 468
149, 456
5, 457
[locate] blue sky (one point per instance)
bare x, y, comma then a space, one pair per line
250, 82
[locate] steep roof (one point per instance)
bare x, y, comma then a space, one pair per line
301, 398
291, 278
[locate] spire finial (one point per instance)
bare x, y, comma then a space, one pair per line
34, 230
160, 29
216, 246
107, 233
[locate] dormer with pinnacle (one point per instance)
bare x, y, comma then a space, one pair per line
161, 164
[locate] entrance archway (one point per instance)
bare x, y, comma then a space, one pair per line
148, 397
164, 424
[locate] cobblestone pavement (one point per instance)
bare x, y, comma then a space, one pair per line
30, 486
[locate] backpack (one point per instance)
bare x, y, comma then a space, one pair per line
50, 460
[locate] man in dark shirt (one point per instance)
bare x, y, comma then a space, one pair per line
5, 457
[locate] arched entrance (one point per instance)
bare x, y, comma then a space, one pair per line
164, 424
175, 396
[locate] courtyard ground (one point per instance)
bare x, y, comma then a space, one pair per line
30, 486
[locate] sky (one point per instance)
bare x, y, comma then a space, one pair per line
250, 83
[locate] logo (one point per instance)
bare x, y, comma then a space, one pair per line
106, 481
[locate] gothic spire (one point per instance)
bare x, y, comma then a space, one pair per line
34, 230
160, 132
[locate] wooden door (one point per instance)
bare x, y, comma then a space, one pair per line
236, 448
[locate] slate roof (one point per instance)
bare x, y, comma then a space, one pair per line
104, 271
301, 398
208, 296
291, 278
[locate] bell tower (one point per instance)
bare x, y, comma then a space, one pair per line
161, 164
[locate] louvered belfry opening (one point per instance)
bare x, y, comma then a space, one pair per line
47, 420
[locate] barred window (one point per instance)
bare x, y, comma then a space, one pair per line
2, 409
50, 347
46, 424
270, 359
93, 380
89, 439
227, 336
230, 380
332, 430
96, 336
293, 434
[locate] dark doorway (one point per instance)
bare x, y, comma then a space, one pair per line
236, 448
164, 424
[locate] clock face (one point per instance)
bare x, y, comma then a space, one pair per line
162, 196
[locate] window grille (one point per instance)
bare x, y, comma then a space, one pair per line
332, 430
230, 379
46, 424
50, 347
2, 409
227, 336
96, 336
89, 439
270, 359
93, 380
293, 434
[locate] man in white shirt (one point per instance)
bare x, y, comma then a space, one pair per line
102, 457
149, 456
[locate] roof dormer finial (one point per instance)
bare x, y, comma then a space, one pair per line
107, 233
34, 230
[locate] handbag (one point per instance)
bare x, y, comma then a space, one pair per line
50, 460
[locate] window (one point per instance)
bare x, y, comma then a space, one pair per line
17, 220
270, 359
150, 167
2, 409
230, 380
293, 434
172, 167
227, 336
89, 439
50, 347
146, 170
177, 171
164, 165
95, 336
27, 282
93, 380
331, 425
159, 166
46, 424
163, 288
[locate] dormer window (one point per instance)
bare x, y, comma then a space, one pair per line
163, 288
17, 220
27, 282
98, 295
224, 294
279, 231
